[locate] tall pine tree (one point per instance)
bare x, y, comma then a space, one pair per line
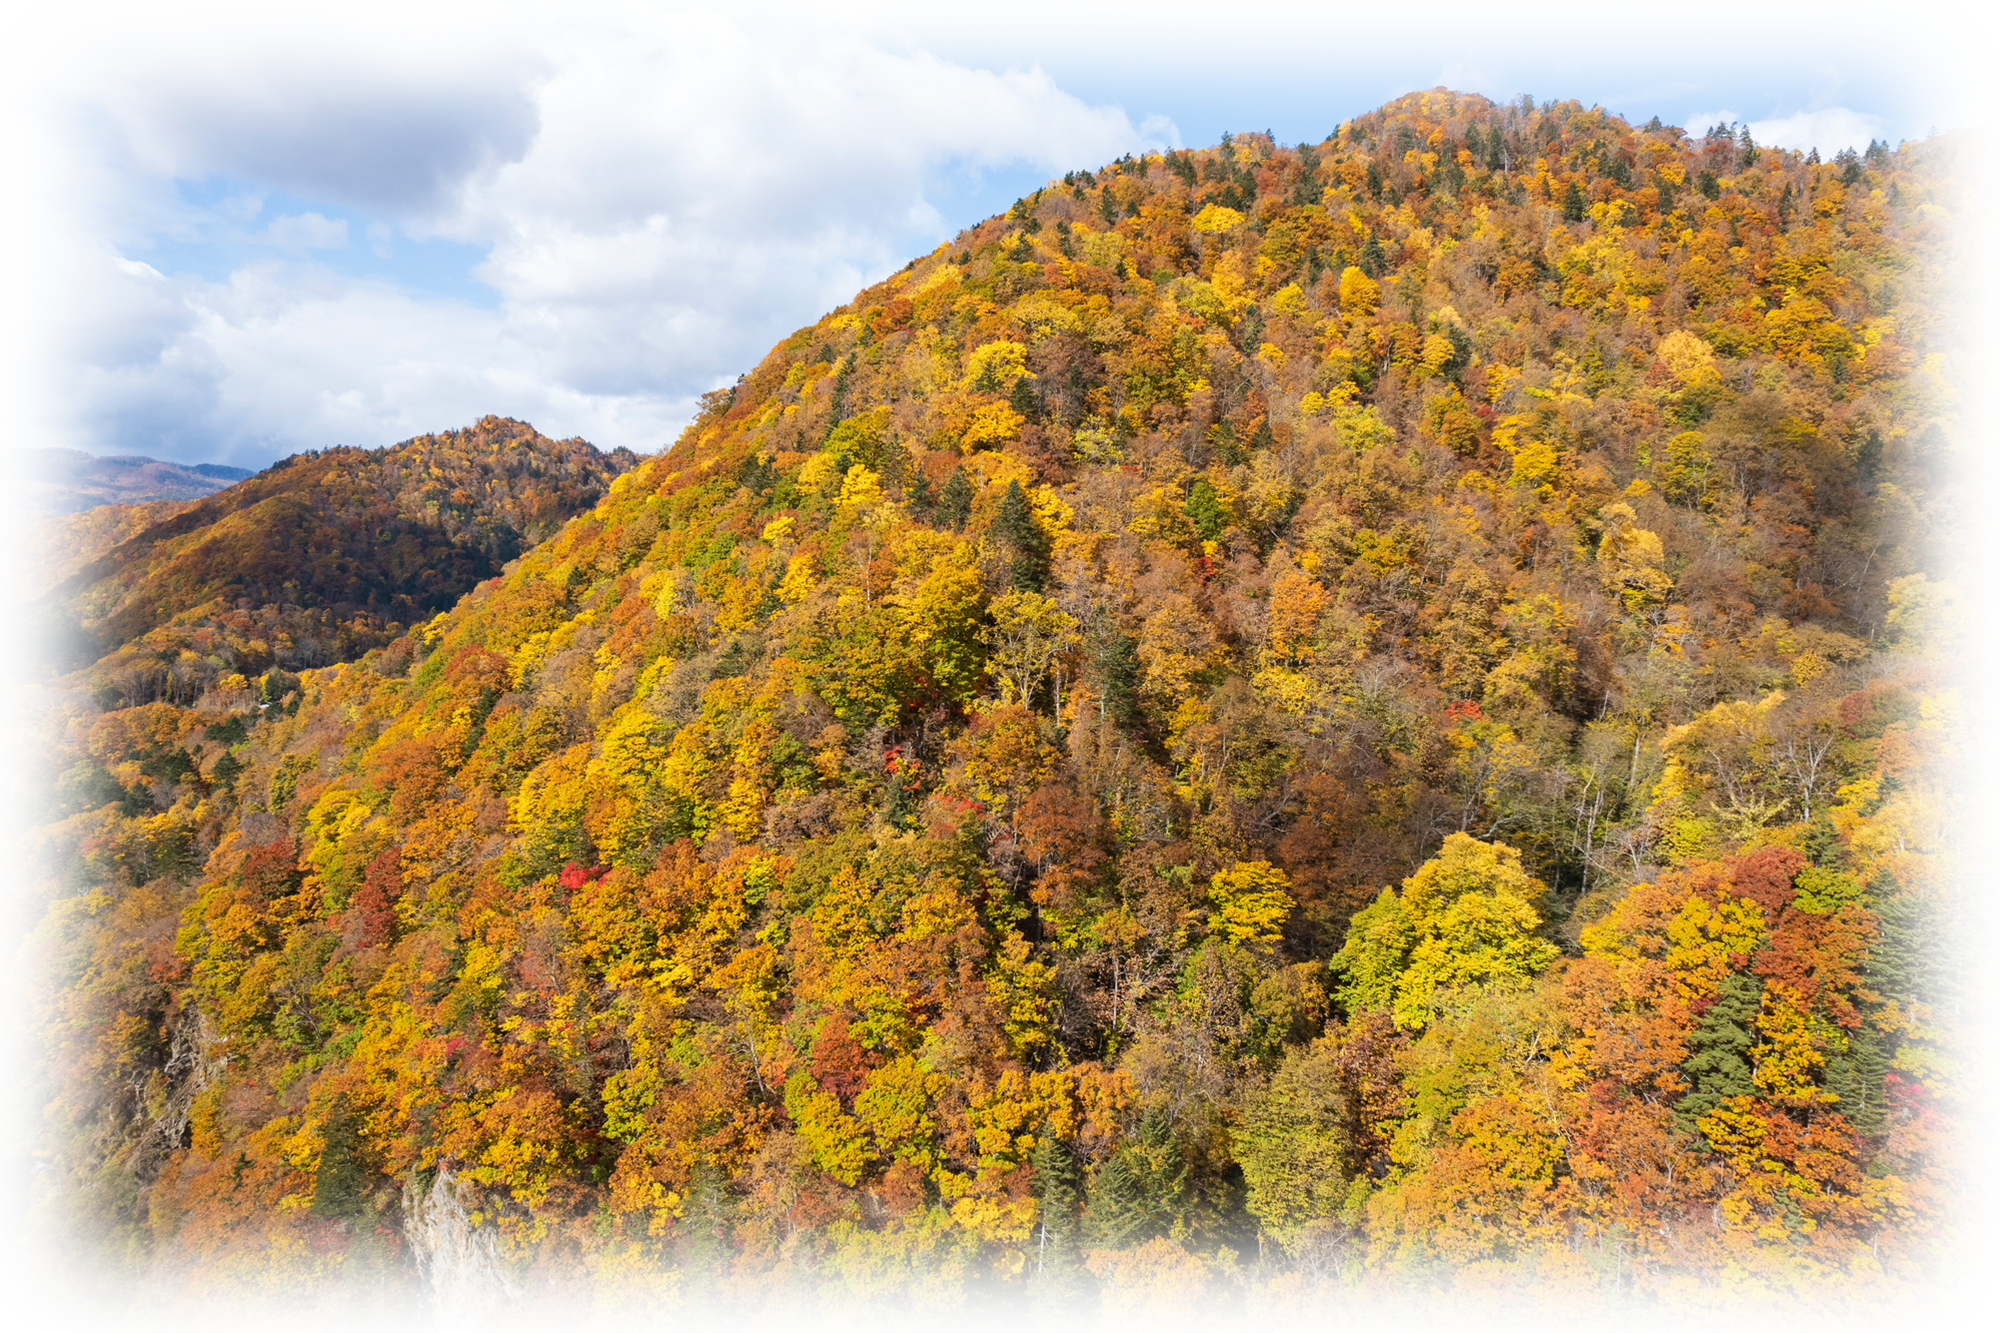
1719, 1066
1063, 1297
1015, 525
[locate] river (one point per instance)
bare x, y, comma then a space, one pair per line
25, 1309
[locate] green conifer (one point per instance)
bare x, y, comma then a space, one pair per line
1719, 1065
954, 504
1063, 1297
1921, 955
1140, 1190
1023, 400
1015, 524
342, 1176
1869, 455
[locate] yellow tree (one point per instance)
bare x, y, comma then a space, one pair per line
1466, 918
1629, 559
1028, 641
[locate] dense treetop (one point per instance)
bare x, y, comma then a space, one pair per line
1368, 712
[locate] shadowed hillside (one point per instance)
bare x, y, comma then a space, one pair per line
316, 558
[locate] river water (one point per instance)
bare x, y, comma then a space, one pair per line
25, 1309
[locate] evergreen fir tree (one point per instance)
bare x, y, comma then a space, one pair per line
918, 498
838, 412
1859, 1076
1055, 1266
1205, 511
1015, 524
1222, 438
1719, 1066
1023, 400
1115, 657
1921, 955
1140, 1189
1869, 455
342, 1175
1373, 260
954, 503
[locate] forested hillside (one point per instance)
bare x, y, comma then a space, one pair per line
62, 544
1276, 718
313, 561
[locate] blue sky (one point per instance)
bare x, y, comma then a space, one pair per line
1298, 69
262, 235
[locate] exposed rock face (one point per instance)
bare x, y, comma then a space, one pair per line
195, 1059
457, 1261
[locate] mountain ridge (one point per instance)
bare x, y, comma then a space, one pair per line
387, 535
1273, 719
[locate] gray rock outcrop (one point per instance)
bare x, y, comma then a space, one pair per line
457, 1263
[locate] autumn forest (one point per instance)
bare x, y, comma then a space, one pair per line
1378, 715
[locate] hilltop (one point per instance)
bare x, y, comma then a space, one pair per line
1273, 718
316, 559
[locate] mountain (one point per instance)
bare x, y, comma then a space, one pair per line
317, 558
1378, 712
62, 544
64, 481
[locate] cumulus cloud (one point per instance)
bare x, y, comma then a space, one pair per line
682, 193
657, 202
1829, 129
360, 108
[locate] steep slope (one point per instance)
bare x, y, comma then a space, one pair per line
317, 558
1363, 712
62, 544
64, 481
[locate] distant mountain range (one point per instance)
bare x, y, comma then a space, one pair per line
66, 481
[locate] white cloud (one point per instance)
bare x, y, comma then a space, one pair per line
1700, 122
658, 201
367, 101
1829, 129
1825, 125
1467, 75
689, 198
